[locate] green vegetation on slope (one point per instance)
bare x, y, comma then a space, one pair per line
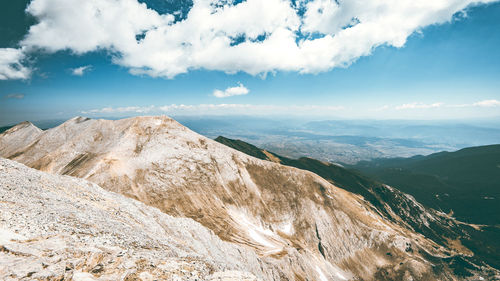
465, 182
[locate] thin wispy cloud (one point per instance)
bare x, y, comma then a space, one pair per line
14, 96
419, 105
79, 71
231, 91
382, 108
223, 108
229, 108
416, 105
125, 109
303, 36
487, 103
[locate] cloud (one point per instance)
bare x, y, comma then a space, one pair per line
79, 71
382, 108
232, 91
127, 109
417, 105
14, 96
11, 66
254, 36
224, 108
487, 103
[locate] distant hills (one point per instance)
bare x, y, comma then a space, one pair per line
349, 141
465, 182
5, 128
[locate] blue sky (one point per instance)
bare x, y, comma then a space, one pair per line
447, 70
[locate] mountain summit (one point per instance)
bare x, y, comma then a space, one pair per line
301, 226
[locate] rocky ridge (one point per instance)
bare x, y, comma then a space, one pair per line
391, 203
300, 223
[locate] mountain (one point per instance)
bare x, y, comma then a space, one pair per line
465, 182
62, 228
18, 136
402, 208
303, 226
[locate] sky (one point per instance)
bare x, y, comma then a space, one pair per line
364, 59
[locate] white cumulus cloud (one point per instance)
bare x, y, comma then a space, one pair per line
254, 36
11, 66
232, 91
79, 71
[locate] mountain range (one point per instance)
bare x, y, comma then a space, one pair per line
139, 178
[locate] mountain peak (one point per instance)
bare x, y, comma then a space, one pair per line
18, 136
78, 119
21, 126
298, 221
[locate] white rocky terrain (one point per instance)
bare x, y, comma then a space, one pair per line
296, 225
58, 227
19, 136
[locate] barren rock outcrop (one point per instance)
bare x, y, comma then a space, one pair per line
54, 227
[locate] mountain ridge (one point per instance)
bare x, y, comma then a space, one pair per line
305, 225
395, 205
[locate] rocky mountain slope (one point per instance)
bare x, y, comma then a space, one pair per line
58, 227
305, 226
18, 136
463, 183
478, 243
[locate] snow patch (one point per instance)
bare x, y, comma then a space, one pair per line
322, 276
83, 276
260, 235
287, 228
337, 272
255, 235
339, 275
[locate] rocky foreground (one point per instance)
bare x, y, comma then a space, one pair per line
58, 227
236, 217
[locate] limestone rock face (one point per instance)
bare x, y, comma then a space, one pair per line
54, 227
297, 224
